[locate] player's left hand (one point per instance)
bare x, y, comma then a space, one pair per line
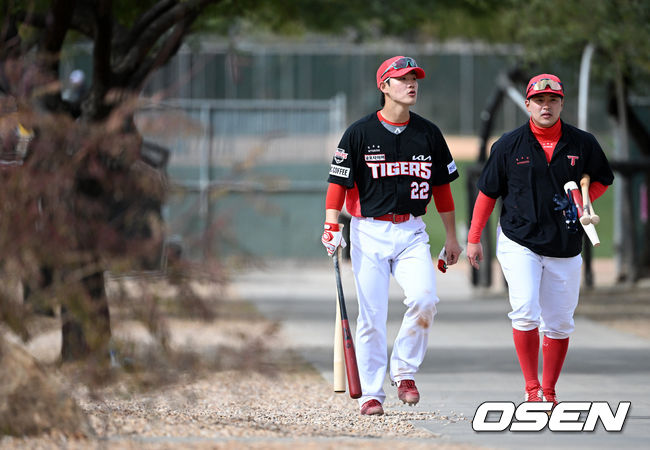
453, 250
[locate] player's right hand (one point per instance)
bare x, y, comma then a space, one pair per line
333, 237
474, 254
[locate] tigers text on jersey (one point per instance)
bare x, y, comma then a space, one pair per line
392, 172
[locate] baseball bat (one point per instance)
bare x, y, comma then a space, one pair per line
590, 230
351, 368
586, 200
586, 212
339, 363
571, 188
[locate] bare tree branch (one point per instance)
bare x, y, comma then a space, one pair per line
102, 51
156, 30
165, 53
31, 19
141, 23
94, 107
9, 39
83, 19
57, 23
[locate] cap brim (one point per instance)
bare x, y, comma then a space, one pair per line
419, 72
533, 93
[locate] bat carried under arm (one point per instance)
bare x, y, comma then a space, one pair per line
588, 215
571, 189
351, 368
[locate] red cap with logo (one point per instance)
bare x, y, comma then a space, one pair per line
396, 67
542, 83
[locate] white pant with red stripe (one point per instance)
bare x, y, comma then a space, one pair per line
378, 250
543, 290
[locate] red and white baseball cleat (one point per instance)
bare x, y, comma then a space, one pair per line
549, 396
407, 392
372, 408
533, 394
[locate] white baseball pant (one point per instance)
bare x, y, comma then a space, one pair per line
543, 290
379, 249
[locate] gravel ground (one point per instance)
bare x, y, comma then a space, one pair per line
229, 383
225, 383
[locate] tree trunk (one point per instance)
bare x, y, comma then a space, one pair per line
86, 326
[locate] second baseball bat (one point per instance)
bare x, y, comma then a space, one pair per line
586, 211
351, 368
338, 363
586, 200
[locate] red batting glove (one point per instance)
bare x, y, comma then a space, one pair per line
332, 237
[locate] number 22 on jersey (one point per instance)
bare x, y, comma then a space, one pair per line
419, 191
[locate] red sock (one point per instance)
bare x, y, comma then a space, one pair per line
527, 346
553, 352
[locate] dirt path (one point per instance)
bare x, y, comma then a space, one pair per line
227, 383
231, 382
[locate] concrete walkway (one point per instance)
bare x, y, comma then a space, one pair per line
471, 358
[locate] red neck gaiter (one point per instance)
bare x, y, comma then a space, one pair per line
547, 137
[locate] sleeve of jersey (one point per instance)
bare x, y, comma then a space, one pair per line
335, 196
444, 170
482, 209
342, 167
596, 189
597, 165
442, 198
492, 179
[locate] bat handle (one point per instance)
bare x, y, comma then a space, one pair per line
338, 359
587, 211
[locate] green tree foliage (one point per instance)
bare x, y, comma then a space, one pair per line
559, 30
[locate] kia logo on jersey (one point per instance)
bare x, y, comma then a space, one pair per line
421, 158
340, 155
573, 159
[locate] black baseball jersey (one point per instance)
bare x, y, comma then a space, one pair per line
393, 172
517, 171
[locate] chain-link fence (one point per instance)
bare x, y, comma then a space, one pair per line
248, 176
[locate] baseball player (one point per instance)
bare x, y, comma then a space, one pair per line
538, 246
387, 167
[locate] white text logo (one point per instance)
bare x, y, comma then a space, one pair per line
392, 169
339, 171
534, 416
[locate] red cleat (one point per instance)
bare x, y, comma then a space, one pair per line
372, 408
533, 394
549, 396
407, 392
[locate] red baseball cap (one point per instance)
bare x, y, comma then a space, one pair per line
396, 67
542, 83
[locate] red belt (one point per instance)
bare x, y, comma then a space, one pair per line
395, 218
